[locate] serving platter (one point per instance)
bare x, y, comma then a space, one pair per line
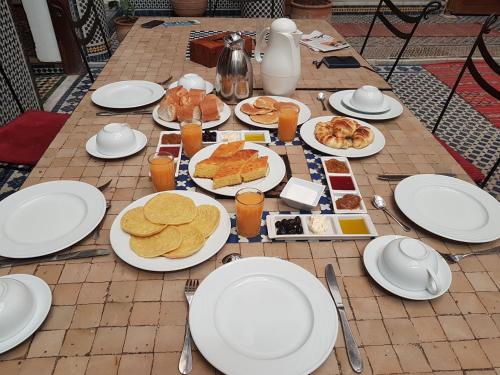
224, 115
307, 134
127, 94
304, 114
275, 175
120, 240
336, 101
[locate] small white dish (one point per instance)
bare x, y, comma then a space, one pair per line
367, 99
192, 81
374, 250
42, 300
141, 142
302, 194
336, 101
115, 138
208, 86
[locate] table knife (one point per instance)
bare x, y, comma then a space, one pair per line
54, 258
399, 177
352, 348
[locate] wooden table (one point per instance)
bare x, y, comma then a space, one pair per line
109, 318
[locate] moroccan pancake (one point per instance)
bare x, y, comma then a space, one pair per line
167, 240
135, 223
279, 105
251, 110
192, 242
265, 102
207, 219
267, 119
170, 208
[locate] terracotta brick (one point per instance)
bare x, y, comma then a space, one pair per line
481, 281
351, 267
145, 313
440, 356
428, 329
116, 314
93, 293
139, 339
391, 307
491, 301
124, 272
401, 331
71, 366
418, 308
173, 313
87, 316
329, 367
383, 359
470, 355
345, 366
46, 344
103, 364
298, 250
372, 332
482, 326
412, 358
491, 348
121, 291
74, 273
65, 294
468, 303
445, 305
357, 286
455, 328
100, 272
169, 339
275, 249
59, 317
173, 290
78, 342
148, 290
49, 273
365, 308
39, 366
460, 283
133, 364
10, 367
109, 340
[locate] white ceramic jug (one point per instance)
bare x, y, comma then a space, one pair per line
280, 66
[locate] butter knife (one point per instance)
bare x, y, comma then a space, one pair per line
54, 258
352, 348
399, 177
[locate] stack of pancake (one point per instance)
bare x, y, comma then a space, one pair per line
231, 165
265, 110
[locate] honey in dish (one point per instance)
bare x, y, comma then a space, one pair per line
353, 226
258, 137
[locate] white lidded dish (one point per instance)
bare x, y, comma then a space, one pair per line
302, 194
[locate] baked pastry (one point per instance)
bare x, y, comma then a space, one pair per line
337, 142
249, 109
228, 149
227, 175
266, 119
255, 169
362, 137
265, 102
207, 168
323, 130
343, 127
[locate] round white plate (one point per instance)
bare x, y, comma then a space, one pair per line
304, 114
263, 316
335, 100
307, 134
43, 299
449, 207
128, 94
120, 239
276, 173
209, 87
370, 258
224, 115
48, 217
141, 141
346, 101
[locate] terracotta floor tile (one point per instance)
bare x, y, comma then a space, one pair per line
116, 314
147, 275
490, 262
252, 249
169, 339
383, 359
121, 291
492, 349
470, 355
471, 264
468, 303
202, 270
133, 364
455, 328
329, 367
491, 301
345, 367
358, 286
93, 293
445, 305
345, 249
173, 290
440, 356
145, 313
412, 358
275, 249
365, 308
460, 283
65, 294
148, 290
87, 316
372, 332
481, 281
173, 313
78, 342
297, 250
391, 307
100, 272
162, 361
351, 267
482, 326
59, 317
139, 339
322, 249
46, 343
74, 273
38, 366
109, 340
12, 367
418, 308
401, 331
428, 329
103, 364
19, 352
202, 366
71, 366
124, 272
49, 273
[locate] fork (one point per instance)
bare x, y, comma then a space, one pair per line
186, 360
455, 258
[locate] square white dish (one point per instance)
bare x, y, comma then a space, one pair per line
297, 190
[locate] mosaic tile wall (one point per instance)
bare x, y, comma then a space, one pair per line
16, 68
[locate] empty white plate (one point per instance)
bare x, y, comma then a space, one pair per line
140, 138
128, 94
263, 316
335, 100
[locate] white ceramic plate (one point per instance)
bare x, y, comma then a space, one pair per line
48, 217
276, 173
346, 101
370, 258
449, 207
209, 87
140, 138
42, 299
120, 239
224, 115
335, 100
127, 94
304, 114
307, 134
263, 316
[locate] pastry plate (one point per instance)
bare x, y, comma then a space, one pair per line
141, 142
335, 100
120, 239
334, 229
304, 114
127, 94
307, 134
263, 316
209, 87
370, 259
224, 115
275, 174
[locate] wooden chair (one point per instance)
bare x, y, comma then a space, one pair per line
79, 37
469, 64
406, 36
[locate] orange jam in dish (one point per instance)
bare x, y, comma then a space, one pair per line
353, 226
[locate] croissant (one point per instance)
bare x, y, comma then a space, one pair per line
322, 130
362, 137
343, 127
337, 142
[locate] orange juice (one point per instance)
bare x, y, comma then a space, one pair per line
287, 124
191, 137
162, 168
249, 207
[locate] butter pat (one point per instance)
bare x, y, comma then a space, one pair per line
317, 224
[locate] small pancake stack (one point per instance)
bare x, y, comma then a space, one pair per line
169, 225
265, 110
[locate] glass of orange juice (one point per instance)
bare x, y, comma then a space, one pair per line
249, 207
191, 137
287, 123
162, 168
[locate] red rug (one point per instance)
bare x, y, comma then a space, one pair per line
468, 89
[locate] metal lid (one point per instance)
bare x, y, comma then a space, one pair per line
233, 40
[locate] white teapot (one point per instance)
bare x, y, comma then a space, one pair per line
280, 69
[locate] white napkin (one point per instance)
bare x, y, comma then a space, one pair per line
317, 41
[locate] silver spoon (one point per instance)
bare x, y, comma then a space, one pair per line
379, 203
321, 98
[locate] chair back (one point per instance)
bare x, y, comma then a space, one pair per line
11, 88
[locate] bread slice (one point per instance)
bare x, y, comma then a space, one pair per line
243, 156
228, 149
208, 167
227, 175
255, 169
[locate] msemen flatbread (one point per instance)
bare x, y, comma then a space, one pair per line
267, 119
192, 242
134, 222
170, 208
207, 219
167, 240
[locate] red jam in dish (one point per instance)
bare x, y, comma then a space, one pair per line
171, 150
342, 183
